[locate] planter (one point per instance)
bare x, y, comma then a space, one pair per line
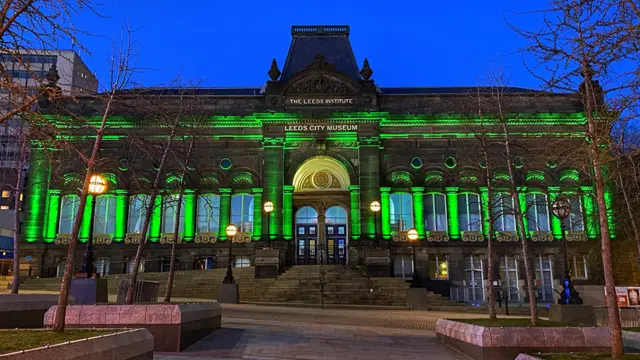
506, 343
134, 344
173, 326
25, 311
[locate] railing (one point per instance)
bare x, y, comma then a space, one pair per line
472, 295
629, 317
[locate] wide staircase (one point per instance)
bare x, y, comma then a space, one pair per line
303, 284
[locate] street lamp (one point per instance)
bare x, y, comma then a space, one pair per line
231, 230
412, 234
561, 208
375, 208
268, 208
97, 186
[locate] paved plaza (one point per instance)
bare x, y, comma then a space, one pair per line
258, 332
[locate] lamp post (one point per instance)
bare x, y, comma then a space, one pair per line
412, 234
231, 231
268, 208
97, 186
375, 208
561, 208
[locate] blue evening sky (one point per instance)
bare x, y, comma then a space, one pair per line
231, 43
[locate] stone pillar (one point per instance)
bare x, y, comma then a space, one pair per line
369, 179
321, 249
556, 225
418, 210
86, 219
355, 211
258, 233
53, 212
190, 208
225, 212
287, 212
121, 215
156, 220
273, 183
36, 196
486, 211
452, 213
385, 208
522, 197
590, 215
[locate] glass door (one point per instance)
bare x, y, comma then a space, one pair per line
307, 241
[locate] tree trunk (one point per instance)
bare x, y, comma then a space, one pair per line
490, 250
526, 252
627, 201
59, 321
15, 282
176, 232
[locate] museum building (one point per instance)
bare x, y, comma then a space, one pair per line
349, 167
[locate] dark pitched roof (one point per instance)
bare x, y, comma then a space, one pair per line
330, 41
157, 91
451, 90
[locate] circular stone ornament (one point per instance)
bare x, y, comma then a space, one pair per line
450, 162
321, 179
417, 162
226, 164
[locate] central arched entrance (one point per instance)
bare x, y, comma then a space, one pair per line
321, 197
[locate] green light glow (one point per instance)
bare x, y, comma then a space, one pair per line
51, 225
418, 210
189, 214
257, 214
590, 212
287, 212
486, 216
121, 215
556, 224
273, 184
385, 209
522, 198
225, 212
156, 220
608, 200
355, 211
36, 195
535, 175
452, 212
86, 220
570, 174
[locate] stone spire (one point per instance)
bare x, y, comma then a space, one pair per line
274, 72
366, 71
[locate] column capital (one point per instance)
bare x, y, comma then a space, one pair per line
586, 188
385, 189
225, 191
451, 189
120, 191
554, 188
417, 189
54, 191
257, 190
288, 188
189, 191
354, 188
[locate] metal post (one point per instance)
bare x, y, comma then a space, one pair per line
569, 294
87, 263
375, 224
228, 278
268, 233
415, 263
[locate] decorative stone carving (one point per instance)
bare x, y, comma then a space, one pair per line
576, 236
437, 236
132, 239
366, 71
102, 239
319, 62
506, 236
342, 143
62, 239
369, 140
241, 238
272, 141
274, 72
320, 84
472, 236
168, 239
206, 238
541, 236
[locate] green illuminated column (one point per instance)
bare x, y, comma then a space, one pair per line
385, 209
274, 182
556, 225
86, 220
257, 214
452, 212
588, 206
369, 181
522, 196
121, 215
355, 211
36, 195
189, 214
418, 210
608, 201
486, 210
287, 212
225, 212
156, 220
51, 221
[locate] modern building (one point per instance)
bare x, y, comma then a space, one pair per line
322, 141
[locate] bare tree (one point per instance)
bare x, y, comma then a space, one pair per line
120, 72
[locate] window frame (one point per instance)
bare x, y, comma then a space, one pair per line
468, 213
503, 215
392, 212
433, 206
144, 202
110, 219
240, 225
211, 216
74, 212
166, 206
534, 208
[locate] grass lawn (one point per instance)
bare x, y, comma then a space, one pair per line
16, 340
512, 322
587, 357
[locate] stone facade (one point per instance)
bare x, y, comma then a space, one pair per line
322, 142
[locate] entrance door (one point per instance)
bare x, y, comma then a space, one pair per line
307, 237
336, 244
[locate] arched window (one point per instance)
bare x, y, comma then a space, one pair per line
68, 210
575, 220
469, 215
208, 213
336, 215
104, 221
401, 211
537, 213
503, 212
242, 212
169, 212
138, 205
306, 215
435, 212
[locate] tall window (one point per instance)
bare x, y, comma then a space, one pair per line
138, 205
575, 222
436, 212
469, 216
104, 221
208, 213
503, 213
102, 266
537, 212
438, 267
403, 266
242, 212
336, 215
578, 267
509, 277
401, 211
169, 214
474, 276
306, 215
544, 278
68, 211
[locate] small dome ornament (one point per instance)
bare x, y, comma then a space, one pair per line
366, 71
274, 72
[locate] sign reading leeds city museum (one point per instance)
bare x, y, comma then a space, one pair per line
321, 127
320, 101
